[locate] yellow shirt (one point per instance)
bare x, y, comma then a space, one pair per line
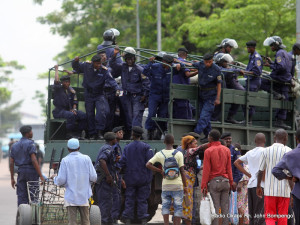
159, 157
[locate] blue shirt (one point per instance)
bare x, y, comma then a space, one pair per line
63, 98
106, 153
179, 77
255, 65
289, 161
94, 80
160, 78
133, 161
236, 174
208, 77
76, 173
132, 81
281, 67
21, 152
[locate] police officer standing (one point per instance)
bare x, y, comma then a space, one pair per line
23, 154
106, 182
254, 70
65, 102
94, 77
209, 81
160, 77
134, 85
235, 154
137, 177
281, 75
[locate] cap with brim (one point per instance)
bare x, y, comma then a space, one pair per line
183, 50
65, 78
96, 58
109, 136
296, 45
73, 143
116, 129
168, 58
251, 44
138, 130
225, 135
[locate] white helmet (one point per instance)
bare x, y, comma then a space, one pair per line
230, 42
128, 52
274, 39
223, 57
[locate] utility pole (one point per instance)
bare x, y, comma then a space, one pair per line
158, 25
138, 42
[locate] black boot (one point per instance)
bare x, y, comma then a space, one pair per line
150, 134
281, 124
157, 134
100, 135
231, 120
127, 222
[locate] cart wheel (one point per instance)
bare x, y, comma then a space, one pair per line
95, 215
24, 215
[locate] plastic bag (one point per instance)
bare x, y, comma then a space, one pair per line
233, 210
207, 210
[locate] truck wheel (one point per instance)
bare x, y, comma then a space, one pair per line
95, 215
24, 215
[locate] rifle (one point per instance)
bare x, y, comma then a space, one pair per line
60, 158
51, 160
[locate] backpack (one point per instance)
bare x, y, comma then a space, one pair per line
171, 168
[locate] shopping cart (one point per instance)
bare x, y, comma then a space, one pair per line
46, 206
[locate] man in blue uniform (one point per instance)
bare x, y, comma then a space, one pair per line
137, 177
281, 75
109, 38
117, 154
209, 81
65, 102
135, 87
182, 108
235, 154
254, 69
23, 154
160, 76
106, 181
94, 77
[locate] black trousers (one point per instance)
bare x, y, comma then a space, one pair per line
296, 208
255, 207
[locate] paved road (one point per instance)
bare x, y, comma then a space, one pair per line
8, 198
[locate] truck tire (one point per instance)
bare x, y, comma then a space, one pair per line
24, 215
95, 215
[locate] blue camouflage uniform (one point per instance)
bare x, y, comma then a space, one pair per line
281, 74
236, 174
255, 65
137, 178
159, 93
231, 80
116, 192
208, 78
93, 83
134, 86
181, 107
104, 191
21, 152
63, 100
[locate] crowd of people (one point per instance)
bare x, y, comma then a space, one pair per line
109, 104
266, 179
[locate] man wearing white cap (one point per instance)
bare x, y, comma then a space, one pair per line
76, 173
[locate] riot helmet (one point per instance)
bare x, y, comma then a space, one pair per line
229, 42
222, 57
109, 36
274, 40
129, 52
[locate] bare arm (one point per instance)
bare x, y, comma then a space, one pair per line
238, 164
36, 166
56, 73
183, 178
11, 169
217, 101
150, 166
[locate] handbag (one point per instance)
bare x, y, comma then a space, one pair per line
233, 210
207, 210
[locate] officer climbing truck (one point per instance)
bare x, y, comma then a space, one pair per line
262, 121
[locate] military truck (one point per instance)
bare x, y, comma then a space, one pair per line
55, 132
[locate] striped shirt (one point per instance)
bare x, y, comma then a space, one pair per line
268, 159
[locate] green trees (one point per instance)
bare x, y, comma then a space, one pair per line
198, 25
9, 116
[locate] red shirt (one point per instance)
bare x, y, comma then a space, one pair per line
217, 162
